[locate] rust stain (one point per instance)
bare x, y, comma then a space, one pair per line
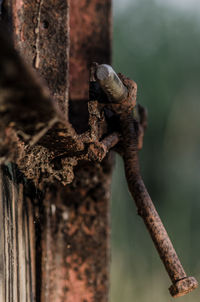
76, 280
75, 254
43, 44
72, 222
90, 40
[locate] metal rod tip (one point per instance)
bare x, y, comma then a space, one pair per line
104, 71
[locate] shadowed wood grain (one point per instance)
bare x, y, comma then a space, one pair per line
17, 261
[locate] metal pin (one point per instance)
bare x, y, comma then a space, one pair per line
116, 91
111, 83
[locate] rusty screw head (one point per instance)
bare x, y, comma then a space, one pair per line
183, 287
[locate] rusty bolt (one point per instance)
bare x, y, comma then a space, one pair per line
113, 87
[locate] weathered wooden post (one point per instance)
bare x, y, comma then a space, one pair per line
54, 203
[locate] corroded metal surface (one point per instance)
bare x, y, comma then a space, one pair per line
129, 127
90, 40
30, 123
183, 287
72, 254
41, 35
75, 237
97, 151
46, 125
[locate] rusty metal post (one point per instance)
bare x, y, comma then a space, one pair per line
72, 222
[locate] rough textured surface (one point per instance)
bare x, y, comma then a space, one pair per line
122, 104
183, 287
75, 237
30, 117
17, 239
32, 127
145, 205
41, 35
71, 221
130, 132
90, 36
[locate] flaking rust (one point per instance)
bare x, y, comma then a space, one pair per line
71, 192
41, 129
36, 135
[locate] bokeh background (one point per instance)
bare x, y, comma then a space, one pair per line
157, 43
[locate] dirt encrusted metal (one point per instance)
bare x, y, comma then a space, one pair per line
47, 124
58, 121
35, 133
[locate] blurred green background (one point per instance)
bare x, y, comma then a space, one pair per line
157, 43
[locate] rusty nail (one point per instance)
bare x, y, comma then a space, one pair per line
181, 284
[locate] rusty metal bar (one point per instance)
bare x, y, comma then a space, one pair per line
181, 284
